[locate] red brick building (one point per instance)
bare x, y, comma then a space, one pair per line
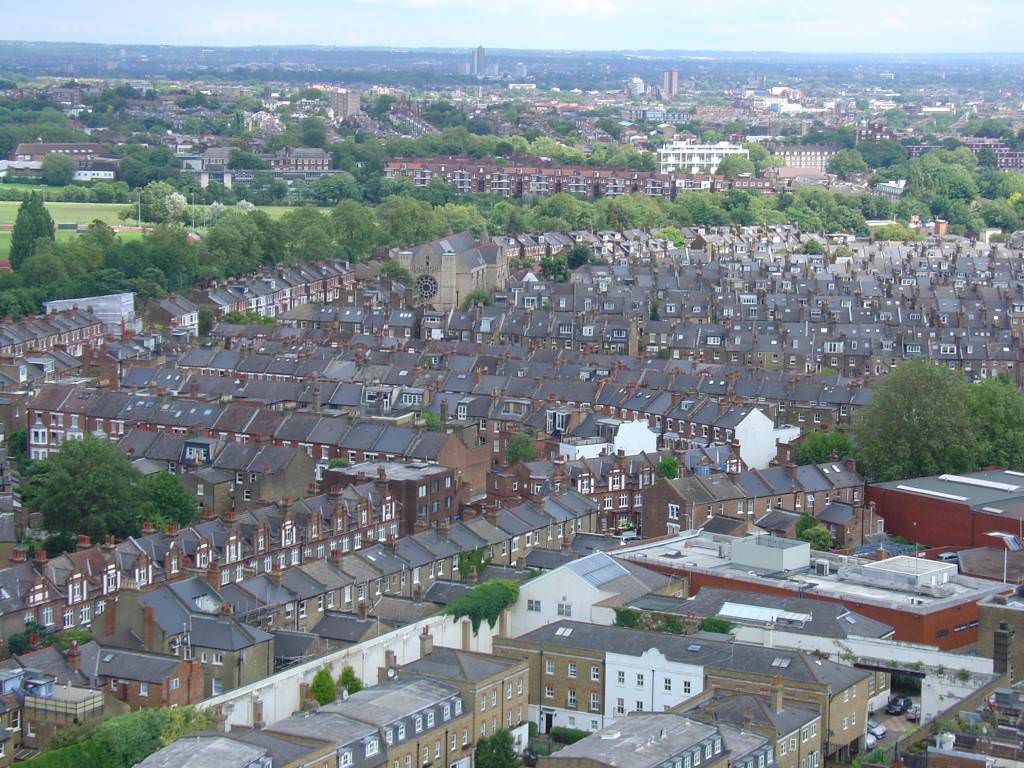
952, 510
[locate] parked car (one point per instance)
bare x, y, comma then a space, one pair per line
948, 557
629, 537
898, 705
869, 741
914, 713
877, 729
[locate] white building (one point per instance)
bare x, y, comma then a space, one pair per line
612, 435
756, 436
115, 310
649, 681
694, 157
588, 589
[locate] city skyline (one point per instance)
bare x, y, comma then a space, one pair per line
874, 26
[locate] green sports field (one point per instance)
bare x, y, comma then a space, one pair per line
86, 213
69, 213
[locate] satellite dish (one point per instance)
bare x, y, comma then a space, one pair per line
391, 672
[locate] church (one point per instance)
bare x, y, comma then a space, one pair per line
447, 270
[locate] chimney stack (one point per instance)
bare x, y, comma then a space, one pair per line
362, 610
74, 656
83, 542
426, 642
148, 619
1002, 643
777, 693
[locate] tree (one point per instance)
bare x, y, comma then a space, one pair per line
667, 467
804, 523
396, 271
495, 751
818, 537
846, 163
520, 448
242, 160
58, 170
88, 487
161, 203
554, 268
322, 687
163, 500
813, 246
916, 424
314, 132
479, 296
355, 229
735, 165
578, 255
32, 224
206, 318
349, 681
997, 416
717, 625
818, 447
987, 158
431, 421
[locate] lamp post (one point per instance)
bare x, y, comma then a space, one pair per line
1006, 538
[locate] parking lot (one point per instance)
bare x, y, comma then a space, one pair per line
895, 725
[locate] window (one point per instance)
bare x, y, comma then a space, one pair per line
549, 692
372, 746
174, 684
565, 609
216, 686
639, 679
595, 674
572, 669
621, 677
549, 667
668, 685
620, 707
595, 702
218, 659
533, 605
143, 689
570, 699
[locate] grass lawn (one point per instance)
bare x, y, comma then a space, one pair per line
69, 213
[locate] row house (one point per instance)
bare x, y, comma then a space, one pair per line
468, 175
615, 484
71, 331
690, 501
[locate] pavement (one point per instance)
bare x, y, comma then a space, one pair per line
895, 725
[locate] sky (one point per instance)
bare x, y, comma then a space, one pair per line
839, 26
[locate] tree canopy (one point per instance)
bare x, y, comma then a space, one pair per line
32, 224
322, 688
90, 487
520, 448
916, 423
495, 751
58, 170
667, 467
818, 447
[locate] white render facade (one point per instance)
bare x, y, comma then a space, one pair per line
693, 157
648, 682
